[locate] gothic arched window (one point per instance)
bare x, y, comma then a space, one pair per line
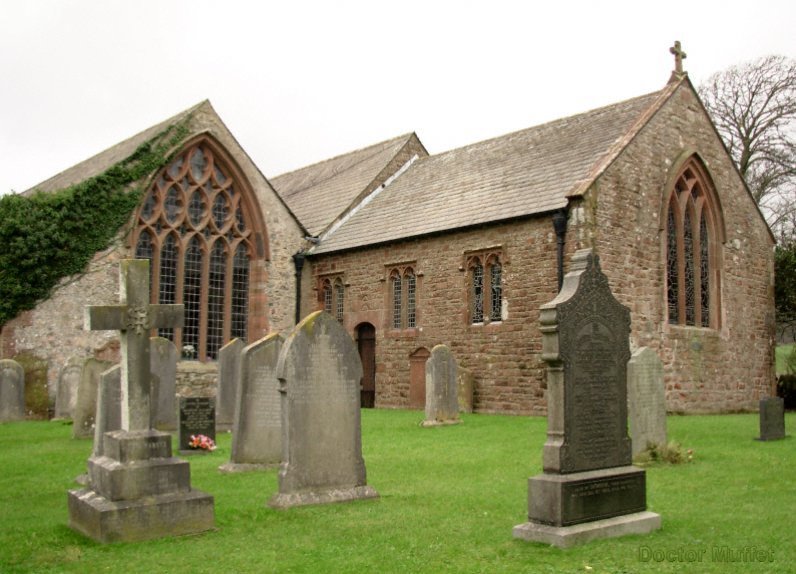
332, 296
403, 297
196, 228
485, 286
692, 234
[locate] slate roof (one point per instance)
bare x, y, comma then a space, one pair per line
520, 174
98, 163
319, 193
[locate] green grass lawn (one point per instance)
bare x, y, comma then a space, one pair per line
449, 499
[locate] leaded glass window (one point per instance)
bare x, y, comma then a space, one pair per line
397, 300
690, 292
496, 291
194, 226
477, 293
339, 299
327, 296
411, 288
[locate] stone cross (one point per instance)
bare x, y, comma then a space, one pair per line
679, 56
134, 317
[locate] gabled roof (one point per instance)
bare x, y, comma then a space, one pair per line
320, 193
97, 164
520, 174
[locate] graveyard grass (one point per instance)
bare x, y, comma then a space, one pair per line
449, 499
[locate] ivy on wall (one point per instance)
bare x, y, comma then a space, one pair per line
45, 237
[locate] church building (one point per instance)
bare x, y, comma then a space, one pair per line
409, 250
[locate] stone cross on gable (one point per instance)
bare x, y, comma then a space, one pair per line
679, 56
134, 317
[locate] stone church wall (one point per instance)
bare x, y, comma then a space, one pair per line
503, 356
706, 370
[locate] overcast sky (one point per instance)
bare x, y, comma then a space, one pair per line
298, 81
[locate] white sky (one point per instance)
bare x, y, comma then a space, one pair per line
298, 81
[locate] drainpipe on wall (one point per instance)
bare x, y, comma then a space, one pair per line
560, 227
298, 261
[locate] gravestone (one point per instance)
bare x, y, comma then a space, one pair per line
137, 489
68, 383
772, 418
442, 392
85, 411
466, 384
319, 371
257, 430
197, 416
229, 357
109, 406
163, 368
646, 400
588, 489
12, 391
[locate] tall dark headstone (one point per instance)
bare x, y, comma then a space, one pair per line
772, 418
137, 489
588, 489
12, 391
197, 417
229, 357
319, 372
257, 430
163, 368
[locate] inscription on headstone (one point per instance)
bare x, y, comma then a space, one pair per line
442, 393
319, 372
772, 418
197, 416
229, 359
257, 429
646, 400
68, 383
12, 391
588, 489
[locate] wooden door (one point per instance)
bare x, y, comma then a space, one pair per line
366, 342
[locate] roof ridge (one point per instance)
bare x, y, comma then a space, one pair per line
405, 136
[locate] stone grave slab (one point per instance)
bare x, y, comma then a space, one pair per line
68, 383
163, 368
772, 418
257, 428
588, 478
229, 360
85, 412
109, 406
197, 416
646, 400
12, 391
319, 372
442, 392
137, 489
465, 382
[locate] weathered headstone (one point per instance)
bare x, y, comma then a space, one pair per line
319, 371
257, 430
12, 391
229, 357
588, 489
163, 368
466, 385
772, 418
85, 412
197, 417
137, 489
68, 383
442, 392
109, 406
646, 400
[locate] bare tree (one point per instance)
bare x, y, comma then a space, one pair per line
754, 108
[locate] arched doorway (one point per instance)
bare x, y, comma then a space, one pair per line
417, 378
366, 343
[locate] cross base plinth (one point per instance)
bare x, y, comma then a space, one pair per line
138, 491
